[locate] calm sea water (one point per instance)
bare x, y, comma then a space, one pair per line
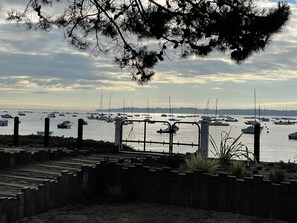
274, 142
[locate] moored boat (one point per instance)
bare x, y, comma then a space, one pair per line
250, 129
6, 116
263, 119
92, 117
174, 129
251, 122
21, 113
64, 125
218, 123
51, 115
3, 123
293, 135
174, 119
230, 119
284, 122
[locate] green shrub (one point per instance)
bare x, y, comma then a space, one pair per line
277, 176
237, 168
290, 167
230, 148
198, 162
62, 142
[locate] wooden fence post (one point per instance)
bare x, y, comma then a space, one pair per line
257, 142
46, 132
80, 133
118, 133
16, 131
204, 138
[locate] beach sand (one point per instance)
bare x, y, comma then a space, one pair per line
137, 212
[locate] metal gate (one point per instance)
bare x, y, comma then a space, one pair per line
160, 136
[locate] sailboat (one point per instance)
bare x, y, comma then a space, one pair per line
109, 119
171, 115
217, 122
206, 117
147, 116
101, 116
170, 128
251, 129
263, 119
174, 129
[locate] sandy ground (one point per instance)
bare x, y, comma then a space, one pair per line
137, 212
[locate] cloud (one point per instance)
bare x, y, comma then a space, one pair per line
43, 55
42, 64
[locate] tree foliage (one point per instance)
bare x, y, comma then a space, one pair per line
142, 33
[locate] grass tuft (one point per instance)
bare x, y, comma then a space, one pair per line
237, 168
198, 162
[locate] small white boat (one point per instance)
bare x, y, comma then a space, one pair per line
230, 119
92, 117
6, 116
263, 119
284, 122
168, 130
127, 122
293, 135
251, 122
102, 117
51, 115
109, 119
3, 123
21, 113
218, 123
174, 119
64, 125
250, 130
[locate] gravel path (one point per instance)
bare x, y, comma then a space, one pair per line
138, 213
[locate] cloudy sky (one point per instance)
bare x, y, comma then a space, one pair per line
38, 70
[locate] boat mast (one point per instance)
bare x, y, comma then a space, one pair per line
206, 108
101, 104
170, 109
109, 105
255, 112
216, 118
124, 106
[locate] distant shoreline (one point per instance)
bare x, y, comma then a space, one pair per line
191, 110
178, 110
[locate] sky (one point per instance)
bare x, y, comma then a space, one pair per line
38, 70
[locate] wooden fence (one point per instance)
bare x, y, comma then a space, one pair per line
142, 180
81, 123
249, 196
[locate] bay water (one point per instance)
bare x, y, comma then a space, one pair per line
274, 143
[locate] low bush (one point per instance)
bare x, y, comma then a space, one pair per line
230, 148
237, 168
198, 162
